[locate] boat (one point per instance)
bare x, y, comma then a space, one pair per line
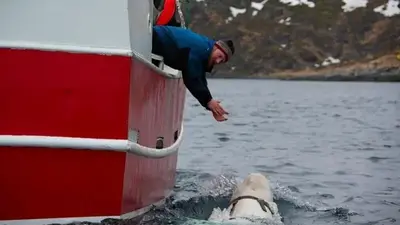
90, 120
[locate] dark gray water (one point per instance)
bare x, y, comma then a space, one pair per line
331, 149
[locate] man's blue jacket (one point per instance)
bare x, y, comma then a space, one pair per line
189, 52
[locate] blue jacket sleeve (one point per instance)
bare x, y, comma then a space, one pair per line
194, 77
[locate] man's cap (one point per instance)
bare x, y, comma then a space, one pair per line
227, 47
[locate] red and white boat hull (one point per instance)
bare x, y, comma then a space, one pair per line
86, 133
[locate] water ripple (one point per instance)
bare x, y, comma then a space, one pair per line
334, 144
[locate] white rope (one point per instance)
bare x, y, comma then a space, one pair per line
182, 18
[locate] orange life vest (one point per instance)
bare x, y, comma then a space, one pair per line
167, 12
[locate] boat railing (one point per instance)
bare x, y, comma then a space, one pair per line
159, 62
118, 145
162, 68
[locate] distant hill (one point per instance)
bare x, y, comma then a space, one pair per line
300, 38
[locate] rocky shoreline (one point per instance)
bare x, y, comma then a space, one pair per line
383, 69
309, 40
367, 75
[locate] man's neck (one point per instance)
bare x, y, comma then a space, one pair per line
210, 65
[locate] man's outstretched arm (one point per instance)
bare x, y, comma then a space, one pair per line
194, 78
196, 83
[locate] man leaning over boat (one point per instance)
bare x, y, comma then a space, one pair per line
194, 55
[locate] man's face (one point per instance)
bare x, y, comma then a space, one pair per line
217, 57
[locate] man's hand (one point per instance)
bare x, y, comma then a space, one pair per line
219, 118
217, 110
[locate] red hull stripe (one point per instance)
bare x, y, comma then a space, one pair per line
82, 95
64, 94
68, 220
50, 183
